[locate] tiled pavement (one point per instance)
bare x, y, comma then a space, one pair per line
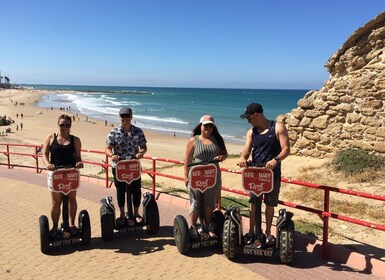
24, 197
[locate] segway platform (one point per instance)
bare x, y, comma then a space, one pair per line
258, 181
128, 171
202, 177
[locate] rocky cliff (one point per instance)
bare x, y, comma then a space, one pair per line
349, 110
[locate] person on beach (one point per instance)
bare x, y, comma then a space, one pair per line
268, 143
62, 149
205, 144
126, 141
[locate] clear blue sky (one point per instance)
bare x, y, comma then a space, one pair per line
179, 43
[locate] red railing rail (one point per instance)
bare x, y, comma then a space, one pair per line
324, 214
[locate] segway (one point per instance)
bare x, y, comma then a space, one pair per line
202, 176
65, 180
258, 180
128, 170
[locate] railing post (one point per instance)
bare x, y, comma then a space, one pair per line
325, 233
8, 159
37, 160
154, 176
107, 165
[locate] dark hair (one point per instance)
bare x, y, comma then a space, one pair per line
65, 117
218, 138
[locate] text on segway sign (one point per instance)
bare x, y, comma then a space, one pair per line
203, 177
128, 170
65, 180
257, 180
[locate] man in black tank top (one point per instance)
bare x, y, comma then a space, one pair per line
268, 141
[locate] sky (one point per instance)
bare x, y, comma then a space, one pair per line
275, 44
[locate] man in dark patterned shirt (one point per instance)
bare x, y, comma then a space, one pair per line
124, 142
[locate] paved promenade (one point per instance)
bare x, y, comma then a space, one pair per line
24, 197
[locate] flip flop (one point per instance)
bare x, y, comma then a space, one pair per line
139, 219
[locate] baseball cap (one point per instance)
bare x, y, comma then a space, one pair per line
252, 108
207, 119
124, 111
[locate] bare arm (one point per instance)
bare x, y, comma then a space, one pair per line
246, 149
110, 154
141, 152
45, 152
78, 149
283, 138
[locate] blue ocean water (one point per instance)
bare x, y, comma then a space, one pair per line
172, 110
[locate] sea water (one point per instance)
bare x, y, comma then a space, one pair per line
172, 110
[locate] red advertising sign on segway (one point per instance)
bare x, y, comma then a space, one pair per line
128, 170
203, 177
65, 180
257, 180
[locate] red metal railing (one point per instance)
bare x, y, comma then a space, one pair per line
324, 214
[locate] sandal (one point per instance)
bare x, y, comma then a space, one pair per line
139, 219
193, 233
270, 240
248, 238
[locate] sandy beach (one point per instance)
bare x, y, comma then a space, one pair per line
20, 105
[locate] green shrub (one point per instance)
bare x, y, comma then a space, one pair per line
355, 161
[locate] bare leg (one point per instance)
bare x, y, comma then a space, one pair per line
208, 215
193, 218
269, 214
136, 211
252, 219
73, 207
57, 200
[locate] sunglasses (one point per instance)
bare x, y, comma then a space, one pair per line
208, 125
125, 115
250, 117
65, 125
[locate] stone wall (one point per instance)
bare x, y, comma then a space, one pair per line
349, 110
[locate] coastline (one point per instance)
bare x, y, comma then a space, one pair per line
39, 122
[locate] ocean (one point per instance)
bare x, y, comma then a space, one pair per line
170, 110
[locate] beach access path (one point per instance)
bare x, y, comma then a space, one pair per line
131, 255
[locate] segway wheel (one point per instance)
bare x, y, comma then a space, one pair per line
44, 234
219, 219
286, 244
229, 239
152, 217
107, 223
181, 235
85, 227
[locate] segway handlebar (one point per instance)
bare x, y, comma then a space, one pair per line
126, 158
65, 166
249, 163
203, 162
